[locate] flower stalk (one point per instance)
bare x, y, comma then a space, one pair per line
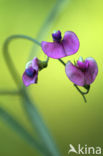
82, 93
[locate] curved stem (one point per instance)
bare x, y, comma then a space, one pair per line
29, 107
86, 92
8, 59
87, 87
82, 93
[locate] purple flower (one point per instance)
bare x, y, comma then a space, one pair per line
30, 75
83, 72
59, 48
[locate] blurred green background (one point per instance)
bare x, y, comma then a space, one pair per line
68, 118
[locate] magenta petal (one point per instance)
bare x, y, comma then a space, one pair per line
92, 71
53, 49
70, 43
28, 80
58, 49
82, 65
74, 74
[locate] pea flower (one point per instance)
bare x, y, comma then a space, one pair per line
32, 68
83, 72
59, 48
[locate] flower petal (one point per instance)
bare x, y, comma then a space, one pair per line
70, 43
35, 63
29, 64
92, 71
74, 74
28, 80
53, 49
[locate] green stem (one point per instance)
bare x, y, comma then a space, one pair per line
29, 107
39, 126
82, 93
9, 92
17, 127
87, 87
62, 61
8, 59
57, 8
47, 60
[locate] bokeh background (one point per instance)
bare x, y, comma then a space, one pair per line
69, 119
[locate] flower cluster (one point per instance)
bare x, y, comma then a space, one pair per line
81, 73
